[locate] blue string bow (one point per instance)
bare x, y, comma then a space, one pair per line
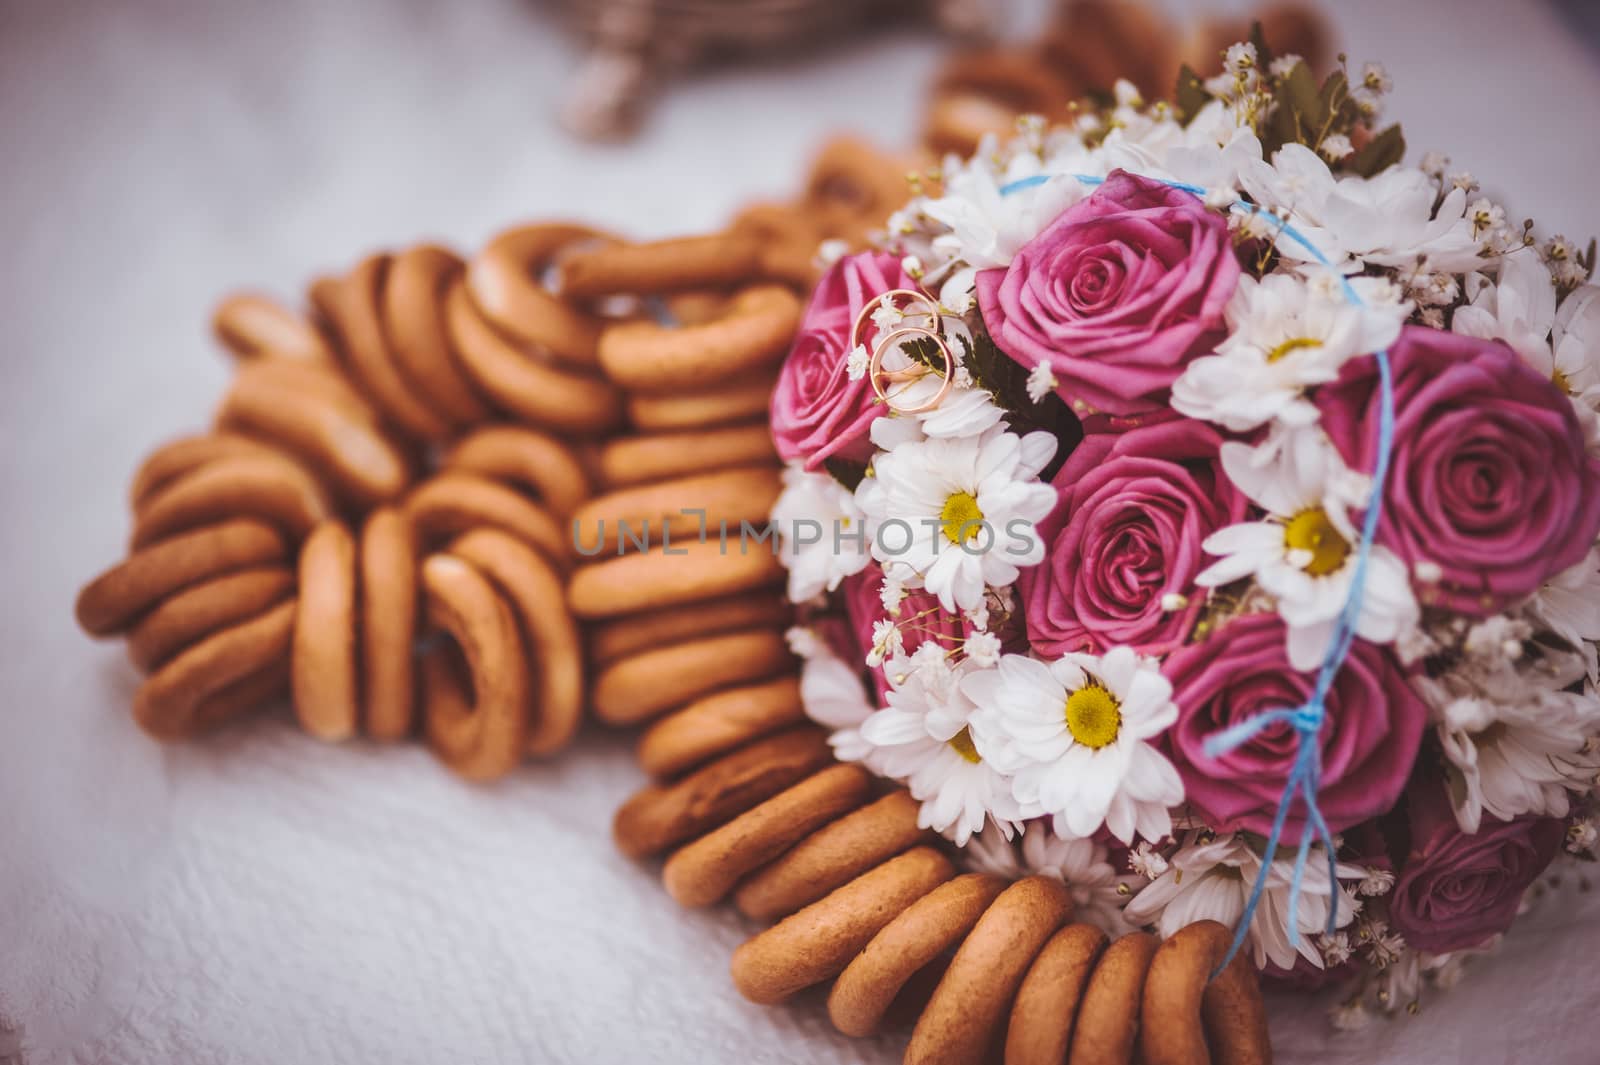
1307, 718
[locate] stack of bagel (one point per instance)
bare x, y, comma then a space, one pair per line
393, 506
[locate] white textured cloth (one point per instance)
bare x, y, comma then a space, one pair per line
264, 899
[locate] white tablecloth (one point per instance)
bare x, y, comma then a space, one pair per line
261, 898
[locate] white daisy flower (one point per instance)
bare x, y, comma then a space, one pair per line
988, 228
1303, 553
1211, 879
1520, 308
822, 530
923, 739
1287, 335
1083, 865
1575, 337
956, 514
1075, 737
832, 692
1569, 603
1510, 760
1098, 892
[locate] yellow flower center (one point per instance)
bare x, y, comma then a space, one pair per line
962, 744
961, 517
1094, 716
1562, 381
1310, 530
1291, 345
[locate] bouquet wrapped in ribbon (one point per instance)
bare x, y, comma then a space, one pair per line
1198, 503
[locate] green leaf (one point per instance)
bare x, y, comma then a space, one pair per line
1378, 154
1333, 98
846, 471
1190, 94
1258, 37
1007, 380
1300, 113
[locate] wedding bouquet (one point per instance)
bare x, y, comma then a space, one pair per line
1200, 478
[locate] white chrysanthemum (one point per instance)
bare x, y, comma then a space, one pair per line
1519, 308
1074, 735
1303, 553
1211, 879
832, 692
955, 515
1569, 603
1388, 219
922, 738
1098, 891
1510, 761
822, 531
1575, 338
1287, 335
988, 228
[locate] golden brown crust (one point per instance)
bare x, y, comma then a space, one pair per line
251, 325
527, 459
716, 260
644, 457
323, 668
664, 815
1108, 1014
717, 723
412, 303
816, 943
351, 306
724, 405
833, 856
653, 580
682, 508
968, 1009
186, 453
620, 637
505, 282
919, 935
387, 562
115, 599
1184, 1009
523, 383
340, 441
482, 735
704, 871
1040, 1030
177, 700
267, 486
189, 615
550, 637
752, 331
642, 686
450, 503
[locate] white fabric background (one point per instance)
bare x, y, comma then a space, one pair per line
262, 898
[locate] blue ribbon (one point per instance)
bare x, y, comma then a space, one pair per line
1306, 719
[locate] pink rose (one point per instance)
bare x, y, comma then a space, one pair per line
1457, 890
1116, 295
1132, 509
1368, 741
817, 411
1489, 479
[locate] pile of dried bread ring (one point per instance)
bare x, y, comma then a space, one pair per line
387, 518
749, 804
